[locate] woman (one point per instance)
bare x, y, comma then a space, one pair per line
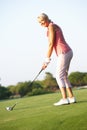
64, 53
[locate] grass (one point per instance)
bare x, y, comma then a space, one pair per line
38, 113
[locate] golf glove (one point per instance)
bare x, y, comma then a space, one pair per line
47, 61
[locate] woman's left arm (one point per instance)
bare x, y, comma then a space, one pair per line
51, 38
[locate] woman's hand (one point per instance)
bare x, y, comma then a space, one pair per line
45, 64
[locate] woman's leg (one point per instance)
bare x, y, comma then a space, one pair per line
63, 92
67, 82
70, 92
62, 76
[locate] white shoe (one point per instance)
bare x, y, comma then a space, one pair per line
62, 102
72, 100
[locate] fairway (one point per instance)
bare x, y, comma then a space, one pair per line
38, 113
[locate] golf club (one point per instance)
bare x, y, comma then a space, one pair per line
10, 108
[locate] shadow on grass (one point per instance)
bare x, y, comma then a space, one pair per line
27, 107
22, 108
83, 101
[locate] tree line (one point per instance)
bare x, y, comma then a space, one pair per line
47, 85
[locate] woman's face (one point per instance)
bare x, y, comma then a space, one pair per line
43, 22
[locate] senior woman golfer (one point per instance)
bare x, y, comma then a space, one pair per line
64, 53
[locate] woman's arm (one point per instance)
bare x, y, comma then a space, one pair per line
51, 38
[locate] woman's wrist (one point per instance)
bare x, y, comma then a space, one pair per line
47, 59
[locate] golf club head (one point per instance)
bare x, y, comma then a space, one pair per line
9, 108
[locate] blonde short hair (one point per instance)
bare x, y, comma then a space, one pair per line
43, 16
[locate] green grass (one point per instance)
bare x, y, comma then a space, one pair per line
38, 113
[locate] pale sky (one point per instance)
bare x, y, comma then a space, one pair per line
23, 42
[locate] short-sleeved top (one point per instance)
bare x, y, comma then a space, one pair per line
60, 46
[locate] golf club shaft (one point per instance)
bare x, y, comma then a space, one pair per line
36, 77
13, 106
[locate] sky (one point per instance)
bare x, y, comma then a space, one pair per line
23, 42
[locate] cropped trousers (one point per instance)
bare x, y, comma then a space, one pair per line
63, 63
